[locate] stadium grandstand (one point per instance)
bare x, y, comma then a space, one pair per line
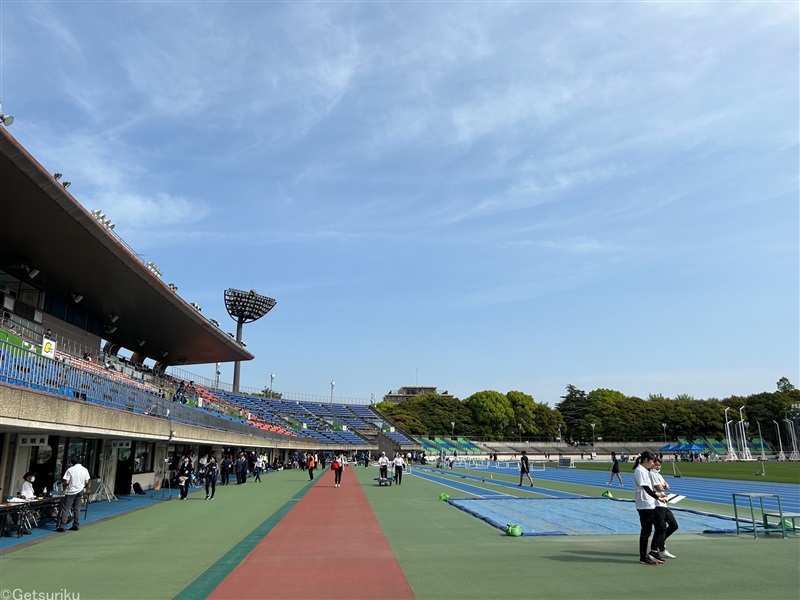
93, 347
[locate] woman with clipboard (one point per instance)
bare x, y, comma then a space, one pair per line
660, 545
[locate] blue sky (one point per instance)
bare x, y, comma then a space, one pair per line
473, 195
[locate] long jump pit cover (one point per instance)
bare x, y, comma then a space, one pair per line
580, 516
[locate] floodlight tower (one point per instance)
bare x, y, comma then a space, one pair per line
245, 307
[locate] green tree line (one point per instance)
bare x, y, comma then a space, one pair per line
616, 417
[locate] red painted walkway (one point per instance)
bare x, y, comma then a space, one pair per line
329, 546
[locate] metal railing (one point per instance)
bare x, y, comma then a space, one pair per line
212, 384
24, 368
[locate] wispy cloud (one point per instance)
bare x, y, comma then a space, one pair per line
104, 174
494, 154
577, 245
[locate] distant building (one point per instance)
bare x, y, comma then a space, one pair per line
408, 392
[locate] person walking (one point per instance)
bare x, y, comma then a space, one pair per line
615, 469
311, 464
338, 467
646, 499
383, 465
211, 476
184, 476
225, 470
399, 462
660, 485
524, 468
258, 469
77, 478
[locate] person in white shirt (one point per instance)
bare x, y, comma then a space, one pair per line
26, 491
646, 499
399, 463
76, 478
662, 508
383, 463
259, 468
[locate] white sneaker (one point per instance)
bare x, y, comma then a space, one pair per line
666, 554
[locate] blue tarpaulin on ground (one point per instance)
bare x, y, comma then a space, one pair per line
580, 516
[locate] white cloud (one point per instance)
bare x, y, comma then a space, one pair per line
580, 245
158, 210
500, 111
105, 174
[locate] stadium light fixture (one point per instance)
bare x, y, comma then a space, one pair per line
32, 273
111, 329
66, 184
245, 307
153, 268
164, 354
57, 176
76, 298
102, 219
173, 287
140, 342
5, 119
113, 318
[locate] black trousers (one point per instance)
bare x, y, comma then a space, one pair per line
669, 524
384, 472
212, 482
398, 474
649, 518
337, 475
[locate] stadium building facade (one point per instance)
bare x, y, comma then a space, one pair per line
69, 284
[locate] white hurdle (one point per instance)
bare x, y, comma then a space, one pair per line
566, 462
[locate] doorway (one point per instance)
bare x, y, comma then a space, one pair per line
123, 478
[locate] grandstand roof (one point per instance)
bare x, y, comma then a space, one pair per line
44, 227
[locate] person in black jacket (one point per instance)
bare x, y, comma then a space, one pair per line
241, 469
226, 465
184, 476
211, 476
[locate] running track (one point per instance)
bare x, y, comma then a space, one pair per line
694, 488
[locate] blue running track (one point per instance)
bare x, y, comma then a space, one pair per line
719, 491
